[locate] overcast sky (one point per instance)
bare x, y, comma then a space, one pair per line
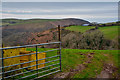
60, 0
91, 11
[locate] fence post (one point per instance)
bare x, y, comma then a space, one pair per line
37, 61
59, 35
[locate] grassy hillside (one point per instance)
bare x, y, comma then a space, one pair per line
110, 32
81, 29
12, 22
67, 21
72, 58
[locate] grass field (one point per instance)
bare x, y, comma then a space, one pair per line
81, 29
110, 32
71, 58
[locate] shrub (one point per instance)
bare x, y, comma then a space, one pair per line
90, 40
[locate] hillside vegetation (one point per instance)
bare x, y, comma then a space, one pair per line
73, 34
81, 29
18, 32
110, 32
11, 22
89, 37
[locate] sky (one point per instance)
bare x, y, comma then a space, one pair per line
60, 0
91, 11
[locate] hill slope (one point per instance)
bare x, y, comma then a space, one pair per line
17, 32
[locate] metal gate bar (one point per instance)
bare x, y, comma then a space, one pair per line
28, 62
37, 69
28, 54
32, 70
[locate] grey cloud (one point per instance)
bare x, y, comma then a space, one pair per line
62, 8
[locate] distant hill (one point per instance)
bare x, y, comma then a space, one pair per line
20, 32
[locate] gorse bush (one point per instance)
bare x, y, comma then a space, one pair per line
89, 40
94, 40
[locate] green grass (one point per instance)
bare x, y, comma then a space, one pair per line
94, 68
81, 29
71, 58
67, 55
110, 32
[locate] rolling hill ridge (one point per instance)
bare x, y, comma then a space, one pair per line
19, 32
